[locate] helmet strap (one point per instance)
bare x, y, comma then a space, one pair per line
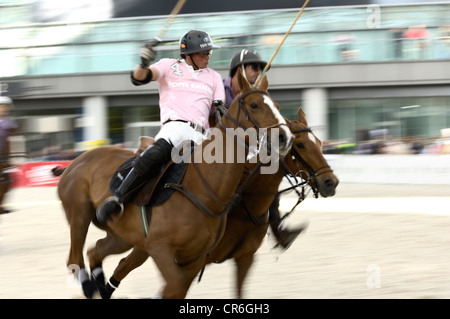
193, 62
243, 53
243, 71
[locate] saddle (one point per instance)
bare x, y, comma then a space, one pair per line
152, 192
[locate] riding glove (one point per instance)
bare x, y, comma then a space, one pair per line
148, 53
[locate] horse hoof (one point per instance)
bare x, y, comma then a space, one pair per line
5, 211
98, 278
110, 287
96, 295
89, 289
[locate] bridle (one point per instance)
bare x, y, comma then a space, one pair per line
311, 174
311, 171
236, 197
241, 99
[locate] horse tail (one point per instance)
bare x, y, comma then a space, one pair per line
57, 171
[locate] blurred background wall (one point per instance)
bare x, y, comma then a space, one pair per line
372, 76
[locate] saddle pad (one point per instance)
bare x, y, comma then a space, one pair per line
174, 174
120, 174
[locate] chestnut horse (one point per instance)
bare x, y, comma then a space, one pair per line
247, 223
181, 233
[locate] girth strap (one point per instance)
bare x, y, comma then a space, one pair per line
233, 201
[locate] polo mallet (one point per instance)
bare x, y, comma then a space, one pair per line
281, 43
169, 19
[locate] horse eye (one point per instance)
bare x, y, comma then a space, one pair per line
300, 145
254, 106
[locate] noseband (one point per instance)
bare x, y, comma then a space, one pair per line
311, 171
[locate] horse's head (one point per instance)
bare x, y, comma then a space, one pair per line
254, 108
307, 158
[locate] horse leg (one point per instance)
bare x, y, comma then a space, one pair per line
243, 265
104, 247
178, 278
135, 259
79, 225
3, 190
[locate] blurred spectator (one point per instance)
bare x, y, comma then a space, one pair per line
416, 146
388, 145
346, 52
417, 41
440, 145
397, 34
7, 128
444, 42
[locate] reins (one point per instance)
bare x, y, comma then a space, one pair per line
236, 197
295, 180
310, 174
241, 106
234, 200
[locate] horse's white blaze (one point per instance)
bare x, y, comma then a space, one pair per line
312, 137
274, 110
269, 102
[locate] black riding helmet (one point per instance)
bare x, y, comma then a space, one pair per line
245, 57
196, 41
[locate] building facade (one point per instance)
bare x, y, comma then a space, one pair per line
357, 71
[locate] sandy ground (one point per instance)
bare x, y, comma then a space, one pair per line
369, 241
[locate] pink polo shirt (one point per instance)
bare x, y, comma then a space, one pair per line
186, 94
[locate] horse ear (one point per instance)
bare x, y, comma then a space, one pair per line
301, 117
244, 85
264, 84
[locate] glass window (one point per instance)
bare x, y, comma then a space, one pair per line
340, 35
398, 117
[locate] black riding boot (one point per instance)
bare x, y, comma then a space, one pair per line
284, 237
146, 166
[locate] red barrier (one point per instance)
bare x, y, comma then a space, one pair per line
36, 174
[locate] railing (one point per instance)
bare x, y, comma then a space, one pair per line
299, 49
324, 35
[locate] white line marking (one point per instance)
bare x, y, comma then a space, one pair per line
390, 205
33, 203
393, 205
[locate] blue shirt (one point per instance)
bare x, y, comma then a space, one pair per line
229, 97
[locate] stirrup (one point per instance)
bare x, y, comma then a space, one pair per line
110, 206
